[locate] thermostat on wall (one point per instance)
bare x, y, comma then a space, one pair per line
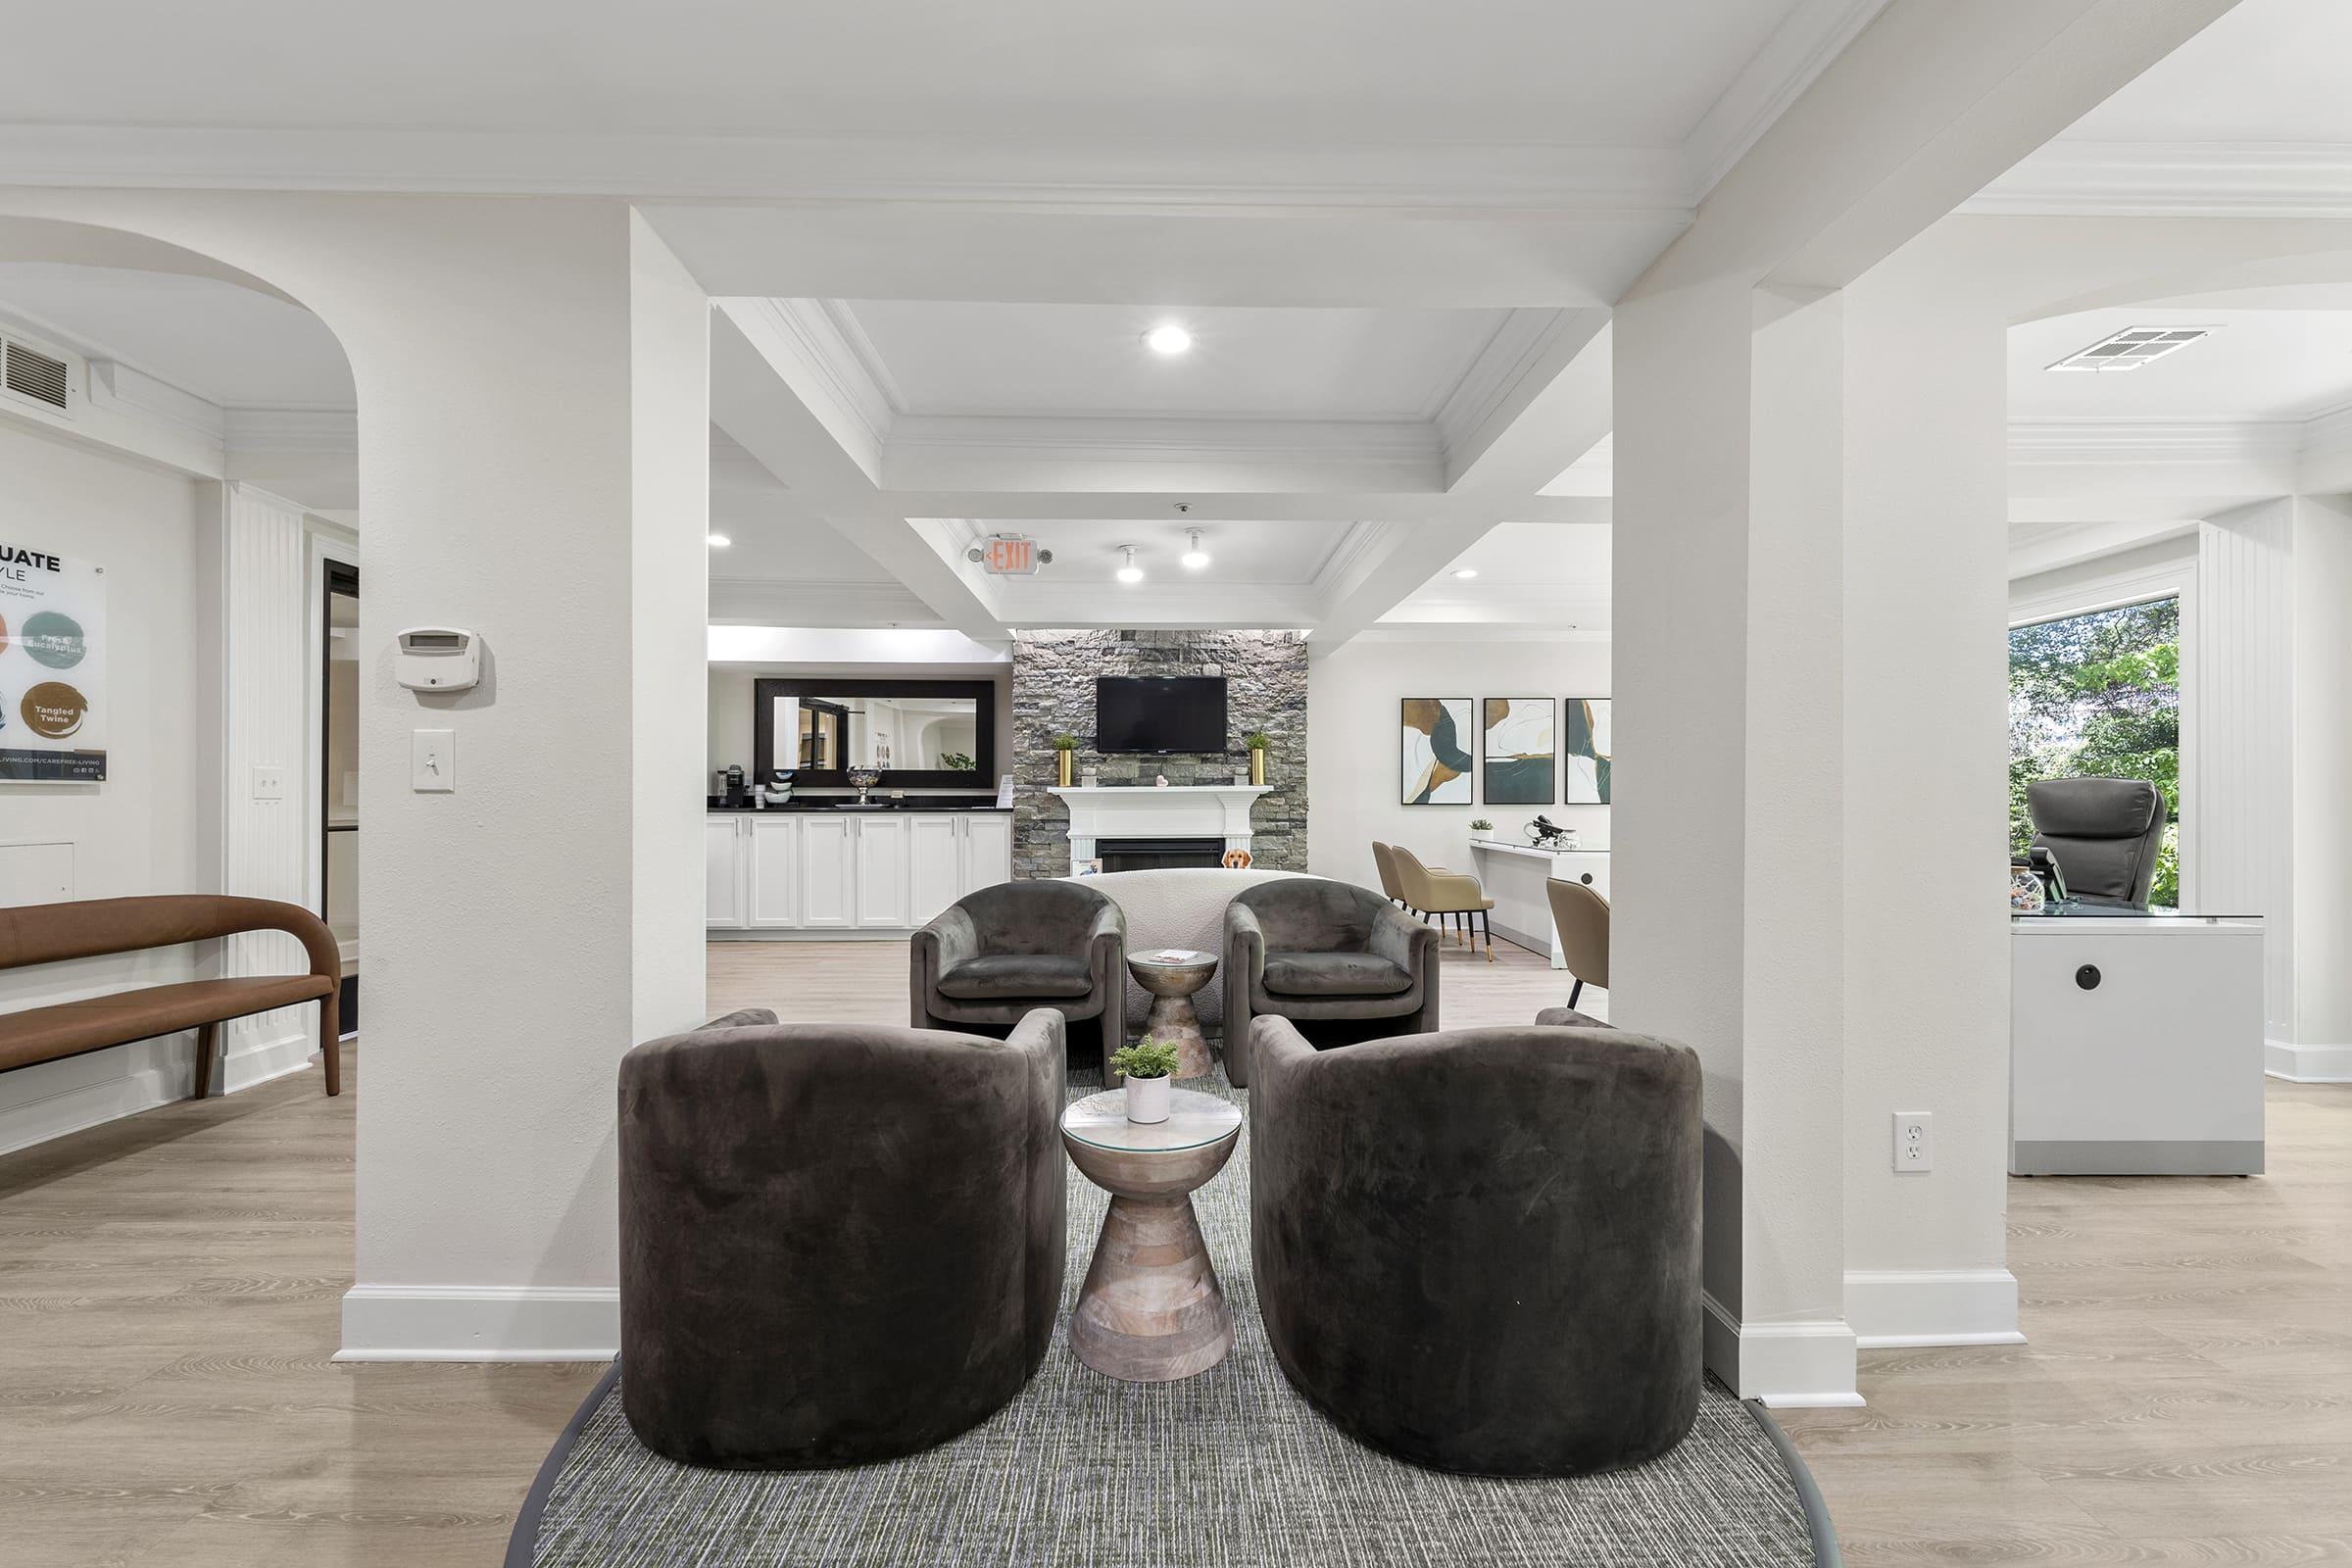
438, 659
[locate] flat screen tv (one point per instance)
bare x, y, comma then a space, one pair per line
1159, 714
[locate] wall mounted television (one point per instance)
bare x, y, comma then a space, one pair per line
1159, 714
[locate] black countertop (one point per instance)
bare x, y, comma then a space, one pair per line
827, 806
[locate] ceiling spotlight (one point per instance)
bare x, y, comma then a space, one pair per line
1465, 575
719, 541
1168, 338
1195, 557
1130, 572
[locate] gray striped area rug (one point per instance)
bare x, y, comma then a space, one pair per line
1230, 1469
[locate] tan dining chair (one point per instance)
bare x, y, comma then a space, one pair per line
1434, 889
1581, 916
1384, 861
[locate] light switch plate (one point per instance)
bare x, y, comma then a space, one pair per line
433, 760
268, 782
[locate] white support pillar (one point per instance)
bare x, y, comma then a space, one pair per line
2321, 1043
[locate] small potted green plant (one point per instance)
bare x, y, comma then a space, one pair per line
1151, 1068
1065, 758
1481, 828
1257, 739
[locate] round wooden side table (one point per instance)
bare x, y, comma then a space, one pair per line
1151, 1309
1173, 1020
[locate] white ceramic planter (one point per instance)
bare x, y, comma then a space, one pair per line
1148, 1099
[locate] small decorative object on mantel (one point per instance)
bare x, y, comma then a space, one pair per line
1545, 834
1481, 828
1066, 755
1160, 782
1257, 739
1151, 1068
1091, 778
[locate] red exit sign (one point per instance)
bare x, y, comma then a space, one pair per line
1010, 556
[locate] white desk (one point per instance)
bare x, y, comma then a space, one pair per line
2135, 1045
1515, 875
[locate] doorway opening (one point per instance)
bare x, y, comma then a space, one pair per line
339, 780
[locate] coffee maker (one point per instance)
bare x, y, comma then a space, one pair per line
729, 782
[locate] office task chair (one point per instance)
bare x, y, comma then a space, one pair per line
2104, 832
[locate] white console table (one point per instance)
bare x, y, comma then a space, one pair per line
1515, 875
2134, 1044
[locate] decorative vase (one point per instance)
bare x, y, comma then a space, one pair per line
1064, 762
1160, 782
2026, 896
1147, 1100
1091, 779
1258, 764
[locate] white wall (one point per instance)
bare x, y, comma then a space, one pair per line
1352, 761
2322, 760
153, 826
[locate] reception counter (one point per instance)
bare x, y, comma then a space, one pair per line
1515, 875
2135, 1043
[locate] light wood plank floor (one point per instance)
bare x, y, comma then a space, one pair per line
168, 1303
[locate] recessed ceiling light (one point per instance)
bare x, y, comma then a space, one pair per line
1130, 572
719, 541
1168, 338
1465, 575
1195, 557
2131, 348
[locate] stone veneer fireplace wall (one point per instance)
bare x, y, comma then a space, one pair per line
1054, 693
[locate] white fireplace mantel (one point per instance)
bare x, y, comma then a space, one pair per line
1149, 811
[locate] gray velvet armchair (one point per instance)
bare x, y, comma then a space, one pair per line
1340, 960
994, 954
1479, 1249
838, 1244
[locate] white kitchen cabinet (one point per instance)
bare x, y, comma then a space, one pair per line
723, 873
828, 871
782, 873
773, 897
987, 857
935, 847
882, 871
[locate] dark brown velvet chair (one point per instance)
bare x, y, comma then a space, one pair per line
994, 956
1479, 1249
838, 1244
1340, 960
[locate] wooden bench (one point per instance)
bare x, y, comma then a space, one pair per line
52, 933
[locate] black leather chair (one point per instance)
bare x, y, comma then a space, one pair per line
994, 954
838, 1244
2105, 833
1338, 958
1479, 1249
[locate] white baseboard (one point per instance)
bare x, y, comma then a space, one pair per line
152, 1073
1805, 1364
2307, 1064
480, 1323
1892, 1307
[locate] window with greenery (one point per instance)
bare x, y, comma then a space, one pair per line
2099, 696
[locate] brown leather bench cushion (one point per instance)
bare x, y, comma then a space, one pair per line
43, 1034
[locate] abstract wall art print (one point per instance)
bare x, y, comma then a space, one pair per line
1435, 732
1520, 750
1587, 750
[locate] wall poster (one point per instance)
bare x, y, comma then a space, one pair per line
1435, 741
52, 666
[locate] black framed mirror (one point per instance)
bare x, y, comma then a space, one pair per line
917, 734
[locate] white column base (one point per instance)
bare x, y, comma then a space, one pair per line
1931, 1307
2307, 1064
480, 1323
1801, 1365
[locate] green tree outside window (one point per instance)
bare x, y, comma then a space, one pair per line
2098, 696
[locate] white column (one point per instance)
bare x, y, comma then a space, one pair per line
1727, 916
2322, 764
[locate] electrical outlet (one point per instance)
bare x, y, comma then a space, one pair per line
268, 782
1914, 1141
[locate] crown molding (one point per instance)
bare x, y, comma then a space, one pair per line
1430, 176
799, 601
811, 331
333, 430
1091, 436
1346, 554
2173, 180
2139, 443
1800, 50
1517, 349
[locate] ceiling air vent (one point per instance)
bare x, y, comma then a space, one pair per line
2131, 348
35, 376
